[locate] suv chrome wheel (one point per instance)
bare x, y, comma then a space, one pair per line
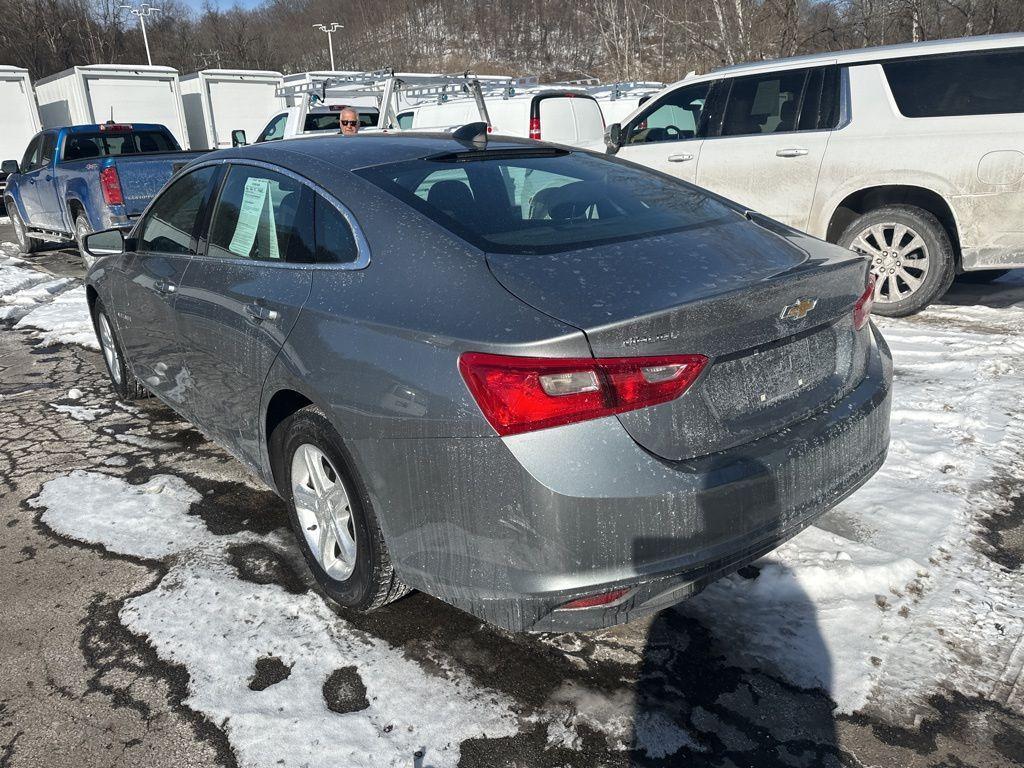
899, 258
324, 511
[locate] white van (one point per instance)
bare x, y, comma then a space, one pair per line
19, 119
123, 93
219, 101
912, 154
560, 116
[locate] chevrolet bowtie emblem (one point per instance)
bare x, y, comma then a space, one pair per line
799, 309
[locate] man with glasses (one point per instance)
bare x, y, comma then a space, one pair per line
349, 120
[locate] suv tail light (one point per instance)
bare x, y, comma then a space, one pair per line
110, 183
534, 128
523, 394
862, 309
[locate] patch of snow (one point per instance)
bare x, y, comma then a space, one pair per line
75, 394
141, 441
80, 412
65, 320
15, 278
204, 617
884, 598
16, 305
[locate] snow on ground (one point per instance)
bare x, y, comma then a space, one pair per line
887, 597
218, 626
65, 320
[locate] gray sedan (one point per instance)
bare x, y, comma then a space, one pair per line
554, 389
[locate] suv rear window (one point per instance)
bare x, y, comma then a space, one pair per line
531, 201
81, 146
975, 83
331, 121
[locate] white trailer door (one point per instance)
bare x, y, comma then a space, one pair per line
241, 104
135, 100
17, 125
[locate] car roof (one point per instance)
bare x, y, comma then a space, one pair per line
865, 55
351, 152
96, 126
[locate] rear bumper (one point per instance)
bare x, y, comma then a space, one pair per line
510, 529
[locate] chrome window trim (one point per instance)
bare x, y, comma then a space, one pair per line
362, 246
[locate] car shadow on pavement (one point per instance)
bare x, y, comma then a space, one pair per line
1005, 291
711, 688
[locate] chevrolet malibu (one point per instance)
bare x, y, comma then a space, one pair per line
552, 388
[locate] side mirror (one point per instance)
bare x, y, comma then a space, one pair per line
238, 138
613, 138
109, 242
9, 167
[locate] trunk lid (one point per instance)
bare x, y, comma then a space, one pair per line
720, 290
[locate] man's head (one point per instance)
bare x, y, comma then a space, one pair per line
349, 120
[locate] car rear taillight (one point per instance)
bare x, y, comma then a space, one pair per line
862, 309
110, 183
534, 128
592, 601
523, 394
115, 127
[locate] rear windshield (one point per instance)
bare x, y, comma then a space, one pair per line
519, 202
330, 121
80, 146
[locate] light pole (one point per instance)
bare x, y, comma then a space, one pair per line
335, 26
142, 11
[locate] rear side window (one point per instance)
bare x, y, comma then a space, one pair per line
334, 240
82, 146
764, 103
975, 83
528, 202
171, 220
820, 108
262, 215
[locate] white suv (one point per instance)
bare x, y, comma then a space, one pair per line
912, 154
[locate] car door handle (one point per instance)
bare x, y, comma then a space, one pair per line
164, 287
260, 313
681, 157
791, 152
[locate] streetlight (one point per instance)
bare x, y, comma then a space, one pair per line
335, 26
142, 12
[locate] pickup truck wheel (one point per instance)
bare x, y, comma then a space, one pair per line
911, 257
26, 244
122, 380
331, 514
82, 228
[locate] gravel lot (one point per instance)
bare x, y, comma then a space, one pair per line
155, 611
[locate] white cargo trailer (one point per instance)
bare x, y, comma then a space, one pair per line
19, 119
219, 101
123, 93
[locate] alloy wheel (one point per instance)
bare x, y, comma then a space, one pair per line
109, 348
899, 259
19, 230
324, 510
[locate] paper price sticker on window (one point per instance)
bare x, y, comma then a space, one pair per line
256, 220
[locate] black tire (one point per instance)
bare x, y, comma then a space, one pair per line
982, 276
82, 228
373, 582
122, 380
933, 281
26, 244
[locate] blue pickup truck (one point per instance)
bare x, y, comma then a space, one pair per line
84, 178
